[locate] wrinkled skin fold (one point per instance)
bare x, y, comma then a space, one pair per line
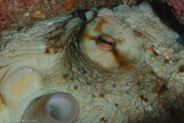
139, 80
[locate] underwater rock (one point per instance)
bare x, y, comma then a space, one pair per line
16, 13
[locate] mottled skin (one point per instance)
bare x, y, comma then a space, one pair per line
140, 80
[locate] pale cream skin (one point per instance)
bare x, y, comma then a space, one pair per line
107, 85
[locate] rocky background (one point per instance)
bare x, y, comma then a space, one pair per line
15, 13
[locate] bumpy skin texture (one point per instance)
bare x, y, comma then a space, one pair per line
140, 80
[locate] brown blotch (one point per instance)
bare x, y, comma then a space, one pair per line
98, 27
75, 87
103, 120
140, 83
120, 41
160, 85
65, 76
153, 73
153, 51
113, 85
166, 61
182, 68
137, 79
122, 60
119, 81
53, 41
116, 105
3, 66
46, 51
102, 95
2, 103
143, 98
55, 38
138, 34
2, 100
89, 37
93, 96
69, 4
144, 49
52, 50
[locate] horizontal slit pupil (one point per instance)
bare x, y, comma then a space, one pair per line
104, 41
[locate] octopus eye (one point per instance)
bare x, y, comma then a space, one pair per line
105, 42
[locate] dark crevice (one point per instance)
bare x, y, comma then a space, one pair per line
168, 17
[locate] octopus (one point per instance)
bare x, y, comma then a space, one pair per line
103, 65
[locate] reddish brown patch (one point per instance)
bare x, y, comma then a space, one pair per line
51, 50
69, 4
122, 60
40, 2
119, 81
166, 61
54, 37
111, 3
3, 66
144, 49
137, 79
98, 27
153, 51
2, 103
103, 120
182, 68
1, 99
120, 41
27, 2
89, 37
135, 2
37, 14
54, 44
138, 34
160, 85
102, 95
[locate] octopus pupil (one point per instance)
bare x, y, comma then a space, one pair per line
104, 41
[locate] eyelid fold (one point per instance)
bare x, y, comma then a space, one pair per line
106, 42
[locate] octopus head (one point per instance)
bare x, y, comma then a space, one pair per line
111, 42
